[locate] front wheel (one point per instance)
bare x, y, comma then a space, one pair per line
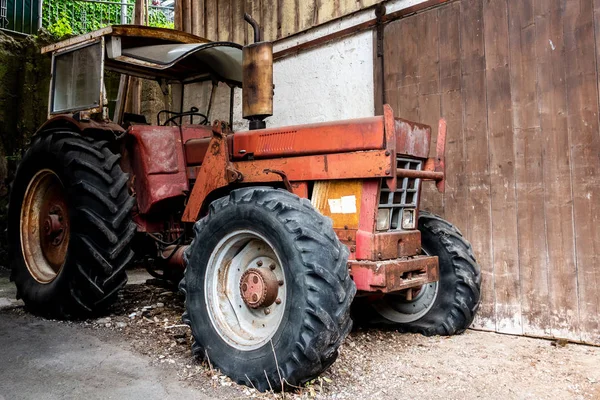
267, 289
446, 307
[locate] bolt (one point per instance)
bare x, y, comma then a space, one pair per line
267, 311
278, 301
387, 171
254, 297
280, 282
378, 255
387, 153
244, 287
259, 263
255, 279
272, 266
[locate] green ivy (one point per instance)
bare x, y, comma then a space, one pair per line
75, 17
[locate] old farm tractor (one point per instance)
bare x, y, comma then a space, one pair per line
274, 233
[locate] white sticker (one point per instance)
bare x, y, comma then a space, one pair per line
348, 204
335, 206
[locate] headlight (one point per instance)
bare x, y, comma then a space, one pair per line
383, 219
408, 219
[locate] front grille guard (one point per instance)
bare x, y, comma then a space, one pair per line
406, 195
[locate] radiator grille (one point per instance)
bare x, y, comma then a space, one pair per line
405, 196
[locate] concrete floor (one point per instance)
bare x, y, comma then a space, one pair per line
43, 359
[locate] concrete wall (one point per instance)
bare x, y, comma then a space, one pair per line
327, 83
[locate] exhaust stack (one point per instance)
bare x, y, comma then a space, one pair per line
257, 79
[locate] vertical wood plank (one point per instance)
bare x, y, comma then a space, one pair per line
224, 28
392, 63
307, 14
198, 17
348, 7
187, 16
178, 20
502, 169
477, 208
582, 111
325, 10
269, 19
406, 40
451, 109
288, 21
428, 73
562, 273
531, 215
211, 18
253, 7
237, 21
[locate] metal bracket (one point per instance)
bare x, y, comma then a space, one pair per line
379, 14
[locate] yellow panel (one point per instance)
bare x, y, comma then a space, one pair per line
339, 200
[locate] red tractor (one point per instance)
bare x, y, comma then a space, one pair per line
279, 230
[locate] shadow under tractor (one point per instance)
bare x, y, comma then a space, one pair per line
275, 234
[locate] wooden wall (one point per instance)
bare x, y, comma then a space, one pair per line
517, 82
224, 19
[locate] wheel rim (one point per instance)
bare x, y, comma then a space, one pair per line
396, 308
45, 226
245, 290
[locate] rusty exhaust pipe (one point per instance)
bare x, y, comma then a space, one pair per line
257, 79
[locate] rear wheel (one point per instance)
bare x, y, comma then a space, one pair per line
267, 286
446, 307
69, 226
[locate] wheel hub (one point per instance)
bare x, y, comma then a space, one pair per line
45, 226
54, 228
258, 287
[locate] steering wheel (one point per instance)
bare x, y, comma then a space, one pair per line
179, 116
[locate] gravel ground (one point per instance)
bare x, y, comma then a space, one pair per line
373, 363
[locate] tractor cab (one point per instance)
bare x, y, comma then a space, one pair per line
84, 67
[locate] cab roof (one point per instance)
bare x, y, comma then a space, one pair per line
158, 53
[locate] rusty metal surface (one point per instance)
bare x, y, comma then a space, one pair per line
393, 275
411, 173
144, 34
300, 189
257, 81
440, 155
67, 120
311, 139
259, 287
211, 175
339, 200
361, 164
157, 164
390, 139
412, 138
45, 226
174, 256
387, 245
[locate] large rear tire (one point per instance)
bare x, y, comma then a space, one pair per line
69, 226
267, 286
446, 307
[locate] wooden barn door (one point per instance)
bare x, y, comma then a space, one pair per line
517, 82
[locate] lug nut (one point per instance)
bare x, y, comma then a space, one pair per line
267, 311
255, 297
272, 266
280, 282
259, 263
278, 301
244, 287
